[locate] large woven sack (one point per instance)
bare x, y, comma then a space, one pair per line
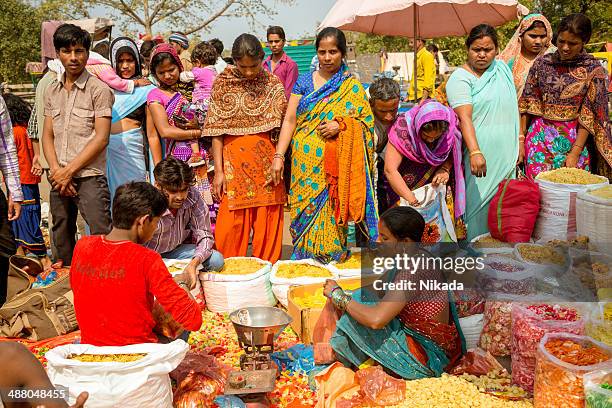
594, 220
557, 216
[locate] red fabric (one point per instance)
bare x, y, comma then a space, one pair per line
114, 284
25, 155
520, 204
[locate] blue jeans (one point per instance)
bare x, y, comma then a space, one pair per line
214, 262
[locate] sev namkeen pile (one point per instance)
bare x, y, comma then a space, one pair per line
354, 262
300, 270
235, 266
566, 175
107, 358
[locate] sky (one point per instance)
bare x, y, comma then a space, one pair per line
299, 20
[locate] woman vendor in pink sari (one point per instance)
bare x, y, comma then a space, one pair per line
425, 147
174, 119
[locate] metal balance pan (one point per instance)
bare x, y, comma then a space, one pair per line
259, 326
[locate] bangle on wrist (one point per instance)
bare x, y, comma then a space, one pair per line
341, 123
475, 152
183, 285
578, 146
279, 156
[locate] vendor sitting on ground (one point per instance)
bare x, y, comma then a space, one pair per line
184, 230
413, 333
114, 279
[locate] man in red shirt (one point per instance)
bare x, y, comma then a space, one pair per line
115, 279
279, 63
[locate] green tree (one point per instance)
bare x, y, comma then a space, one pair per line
20, 25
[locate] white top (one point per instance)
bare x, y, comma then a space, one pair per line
220, 65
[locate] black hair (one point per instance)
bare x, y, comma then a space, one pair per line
134, 200
215, 42
404, 223
146, 48
68, 35
338, 36
437, 125
247, 45
19, 110
278, 30
102, 48
174, 174
433, 48
204, 53
384, 89
481, 31
577, 24
158, 59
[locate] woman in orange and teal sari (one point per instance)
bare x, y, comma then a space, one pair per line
329, 124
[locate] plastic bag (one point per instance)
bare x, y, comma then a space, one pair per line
529, 325
137, 384
299, 358
200, 378
496, 336
471, 327
559, 383
598, 389
439, 225
477, 362
229, 401
165, 324
513, 210
379, 388
323, 331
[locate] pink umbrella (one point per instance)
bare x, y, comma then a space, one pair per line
431, 18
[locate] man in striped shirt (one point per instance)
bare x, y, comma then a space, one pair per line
9, 211
184, 230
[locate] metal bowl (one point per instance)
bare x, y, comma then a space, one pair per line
259, 326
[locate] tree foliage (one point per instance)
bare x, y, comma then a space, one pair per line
19, 39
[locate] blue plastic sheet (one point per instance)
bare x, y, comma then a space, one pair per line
229, 401
299, 358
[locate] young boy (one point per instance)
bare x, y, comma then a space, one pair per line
75, 135
114, 278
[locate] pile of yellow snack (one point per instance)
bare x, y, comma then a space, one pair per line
603, 192
452, 392
566, 175
540, 254
299, 270
107, 358
497, 383
236, 266
490, 242
354, 262
317, 300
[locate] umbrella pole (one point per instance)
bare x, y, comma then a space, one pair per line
414, 71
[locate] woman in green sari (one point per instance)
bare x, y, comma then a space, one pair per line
329, 124
483, 95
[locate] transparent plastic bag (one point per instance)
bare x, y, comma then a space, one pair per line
598, 389
559, 383
496, 336
323, 331
477, 362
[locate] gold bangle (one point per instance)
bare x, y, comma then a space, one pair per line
475, 152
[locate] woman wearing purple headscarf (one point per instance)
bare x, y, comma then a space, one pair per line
425, 147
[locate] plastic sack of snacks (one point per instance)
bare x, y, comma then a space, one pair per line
496, 335
243, 282
594, 216
561, 361
558, 190
529, 324
599, 323
598, 389
502, 274
200, 378
351, 268
136, 384
439, 225
288, 273
486, 244
471, 326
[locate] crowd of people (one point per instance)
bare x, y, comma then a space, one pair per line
176, 154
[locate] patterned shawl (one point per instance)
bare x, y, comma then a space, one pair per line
240, 106
404, 136
566, 90
511, 55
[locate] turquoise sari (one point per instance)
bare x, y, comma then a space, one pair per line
125, 154
495, 117
354, 344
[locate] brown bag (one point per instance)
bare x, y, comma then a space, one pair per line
21, 268
41, 313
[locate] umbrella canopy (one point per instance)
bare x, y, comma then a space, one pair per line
435, 18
